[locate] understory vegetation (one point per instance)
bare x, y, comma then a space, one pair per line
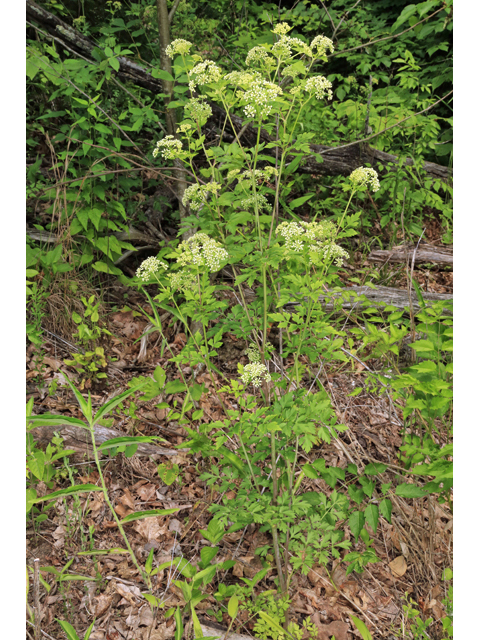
239, 319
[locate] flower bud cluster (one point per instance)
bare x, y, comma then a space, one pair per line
196, 194
364, 176
169, 148
259, 200
183, 279
242, 78
178, 47
254, 373
259, 55
202, 251
204, 73
259, 174
198, 110
321, 44
149, 267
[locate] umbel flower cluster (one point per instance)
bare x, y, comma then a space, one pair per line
149, 268
202, 251
169, 148
317, 237
255, 371
364, 176
196, 194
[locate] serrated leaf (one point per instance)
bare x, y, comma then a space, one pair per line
371, 516
374, 468
410, 491
385, 507
356, 522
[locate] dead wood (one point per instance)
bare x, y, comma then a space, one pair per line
357, 297
424, 253
79, 440
336, 161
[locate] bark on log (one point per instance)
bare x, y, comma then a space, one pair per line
337, 161
79, 440
386, 295
424, 253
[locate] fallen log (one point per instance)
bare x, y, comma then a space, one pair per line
354, 297
79, 440
336, 161
424, 253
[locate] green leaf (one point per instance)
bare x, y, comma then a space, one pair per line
356, 522
162, 75
273, 623
179, 624
168, 473
69, 491
374, 468
103, 552
125, 440
114, 63
310, 471
69, 630
371, 516
81, 401
362, 628
386, 509
140, 515
299, 201
356, 494
89, 631
111, 404
51, 420
233, 607
410, 491
196, 625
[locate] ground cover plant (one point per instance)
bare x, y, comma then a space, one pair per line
221, 404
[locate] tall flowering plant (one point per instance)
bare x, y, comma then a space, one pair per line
236, 201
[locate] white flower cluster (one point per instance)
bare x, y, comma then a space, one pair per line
169, 148
149, 267
254, 372
292, 70
260, 94
178, 47
204, 73
202, 251
259, 200
184, 128
198, 110
196, 194
363, 176
320, 86
321, 44
233, 173
259, 54
318, 237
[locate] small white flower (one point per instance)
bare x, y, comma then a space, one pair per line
259, 200
320, 86
178, 47
253, 353
183, 279
232, 174
363, 176
254, 372
317, 237
169, 148
149, 267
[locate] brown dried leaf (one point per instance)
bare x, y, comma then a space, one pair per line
150, 528
398, 566
102, 603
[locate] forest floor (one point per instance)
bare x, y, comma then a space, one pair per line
413, 550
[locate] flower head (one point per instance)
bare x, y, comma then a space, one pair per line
178, 47
260, 95
204, 73
149, 267
364, 176
317, 237
254, 373
320, 86
282, 28
253, 353
197, 194
183, 279
243, 78
202, 251
321, 44
169, 148
259, 200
